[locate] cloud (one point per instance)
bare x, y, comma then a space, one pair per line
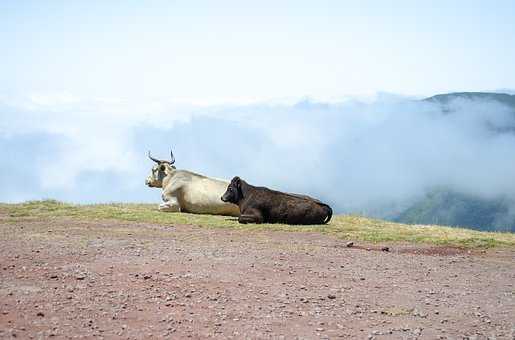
94, 134
372, 156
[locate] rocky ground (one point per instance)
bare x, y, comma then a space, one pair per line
67, 278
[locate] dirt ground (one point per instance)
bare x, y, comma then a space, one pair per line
65, 278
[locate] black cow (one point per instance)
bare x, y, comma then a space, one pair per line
263, 205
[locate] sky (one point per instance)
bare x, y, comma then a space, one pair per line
199, 52
309, 97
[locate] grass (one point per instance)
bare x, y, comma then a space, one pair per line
342, 226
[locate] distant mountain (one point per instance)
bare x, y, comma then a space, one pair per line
446, 207
446, 99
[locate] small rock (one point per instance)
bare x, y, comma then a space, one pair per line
349, 244
385, 249
331, 296
40, 314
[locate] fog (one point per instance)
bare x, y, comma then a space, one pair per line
372, 156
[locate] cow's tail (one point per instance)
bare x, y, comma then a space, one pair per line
329, 212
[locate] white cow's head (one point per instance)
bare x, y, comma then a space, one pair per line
159, 171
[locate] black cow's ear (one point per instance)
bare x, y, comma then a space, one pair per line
238, 182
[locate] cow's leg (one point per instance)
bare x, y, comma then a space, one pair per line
252, 216
169, 196
170, 204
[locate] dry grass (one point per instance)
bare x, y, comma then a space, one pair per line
342, 226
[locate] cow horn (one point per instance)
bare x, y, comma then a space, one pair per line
173, 158
152, 158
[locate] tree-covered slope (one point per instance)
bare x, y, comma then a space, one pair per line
445, 207
502, 98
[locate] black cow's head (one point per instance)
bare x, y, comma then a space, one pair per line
233, 193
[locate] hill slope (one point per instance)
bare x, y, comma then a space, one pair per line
502, 98
341, 226
448, 207
69, 270
445, 207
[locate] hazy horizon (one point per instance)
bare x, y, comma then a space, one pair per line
360, 155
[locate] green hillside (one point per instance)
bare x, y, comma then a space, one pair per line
445, 207
502, 98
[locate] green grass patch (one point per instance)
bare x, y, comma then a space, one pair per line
343, 226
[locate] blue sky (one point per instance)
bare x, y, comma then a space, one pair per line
205, 52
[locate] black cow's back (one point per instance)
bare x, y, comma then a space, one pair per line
279, 207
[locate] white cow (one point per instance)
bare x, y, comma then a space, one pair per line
186, 191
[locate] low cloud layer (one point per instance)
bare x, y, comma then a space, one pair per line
371, 157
